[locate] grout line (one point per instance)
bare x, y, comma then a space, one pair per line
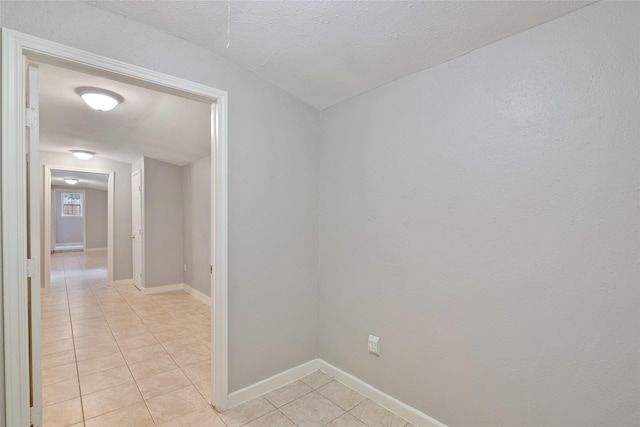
75, 355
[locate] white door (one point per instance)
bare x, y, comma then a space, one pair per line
136, 232
33, 246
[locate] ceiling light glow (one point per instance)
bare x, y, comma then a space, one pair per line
82, 154
99, 99
72, 181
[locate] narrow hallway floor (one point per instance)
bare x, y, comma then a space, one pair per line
112, 356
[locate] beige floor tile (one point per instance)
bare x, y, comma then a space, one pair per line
162, 383
346, 420
156, 365
93, 340
174, 345
272, 419
58, 359
83, 331
247, 412
341, 395
198, 371
288, 393
90, 323
101, 363
86, 314
143, 353
204, 387
316, 379
311, 410
104, 379
110, 399
96, 351
59, 392
57, 346
190, 354
137, 341
59, 374
167, 407
49, 315
122, 326
56, 335
62, 414
171, 334
131, 332
136, 415
47, 307
201, 418
374, 415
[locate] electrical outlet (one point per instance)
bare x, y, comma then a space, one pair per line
374, 345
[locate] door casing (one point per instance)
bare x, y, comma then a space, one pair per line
16, 49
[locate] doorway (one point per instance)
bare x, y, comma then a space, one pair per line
17, 50
97, 209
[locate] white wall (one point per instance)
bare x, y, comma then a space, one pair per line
122, 268
162, 233
482, 218
96, 211
196, 220
273, 174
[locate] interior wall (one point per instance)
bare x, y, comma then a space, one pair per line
97, 210
162, 223
196, 224
482, 218
273, 175
122, 268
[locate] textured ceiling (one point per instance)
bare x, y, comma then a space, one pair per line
148, 123
324, 52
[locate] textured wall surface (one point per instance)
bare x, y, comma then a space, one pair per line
482, 218
196, 199
96, 207
273, 173
162, 223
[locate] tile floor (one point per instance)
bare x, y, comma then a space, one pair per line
114, 357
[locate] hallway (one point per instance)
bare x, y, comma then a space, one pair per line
112, 355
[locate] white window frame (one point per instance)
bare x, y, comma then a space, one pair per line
81, 204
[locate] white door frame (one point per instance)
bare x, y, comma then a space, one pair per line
139, 171
16, 48
48, 231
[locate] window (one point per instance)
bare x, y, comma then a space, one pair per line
71, 204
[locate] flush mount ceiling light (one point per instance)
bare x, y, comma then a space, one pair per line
99, 99
72, 181
82, 154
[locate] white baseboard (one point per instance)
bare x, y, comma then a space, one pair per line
272, 383
197, 294
415, 417
94, 249
122, 282
163, 288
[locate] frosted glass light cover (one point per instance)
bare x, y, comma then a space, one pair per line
99, 101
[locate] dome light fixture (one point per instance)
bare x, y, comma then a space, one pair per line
83, 154
99, 99
72, 181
